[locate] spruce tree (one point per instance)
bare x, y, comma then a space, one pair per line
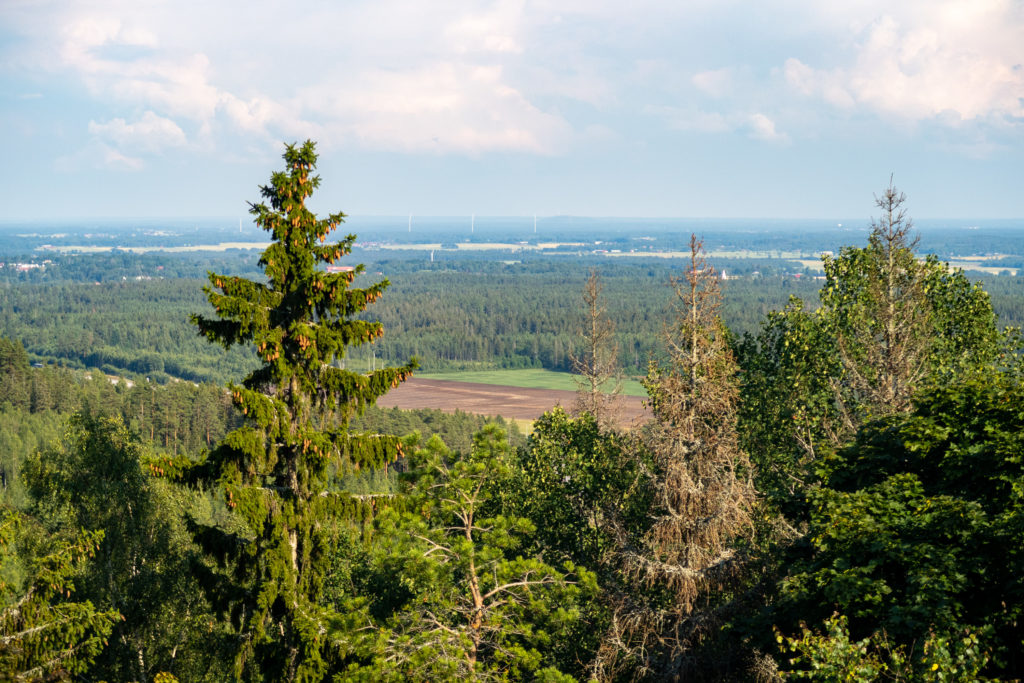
45, 634
688, 559
275, 469
899, 322
598, 380
878, 298
702, 475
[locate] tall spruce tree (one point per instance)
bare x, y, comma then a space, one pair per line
274, 470
880, 311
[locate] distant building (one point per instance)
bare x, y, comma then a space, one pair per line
340, 269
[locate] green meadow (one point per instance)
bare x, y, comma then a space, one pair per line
531, 378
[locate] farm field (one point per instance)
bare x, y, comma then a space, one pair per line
478, 246
532, 378
97, 249
518, 403
966, 263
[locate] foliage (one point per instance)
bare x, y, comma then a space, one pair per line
888, 323
788, 414
21, 434
587, 553
575, 481
94, 479
97, 326
44, 633
581, 487
456, 429
689, 557
876, 298
466, 315
274, 469
477, 608
14, 374
831, 657
920, 523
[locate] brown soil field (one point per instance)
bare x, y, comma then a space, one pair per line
489, 399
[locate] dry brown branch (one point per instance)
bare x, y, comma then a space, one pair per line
599, 380
702, 489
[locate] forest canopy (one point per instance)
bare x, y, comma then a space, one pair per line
831, 490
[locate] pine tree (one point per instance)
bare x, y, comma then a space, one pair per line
274, 470
480, 608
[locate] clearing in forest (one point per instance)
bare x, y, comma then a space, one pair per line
519, 403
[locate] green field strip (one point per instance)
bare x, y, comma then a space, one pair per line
532, 378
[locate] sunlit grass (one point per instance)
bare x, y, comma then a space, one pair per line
532, 378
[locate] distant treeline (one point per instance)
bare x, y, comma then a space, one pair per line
942, 237
462, 313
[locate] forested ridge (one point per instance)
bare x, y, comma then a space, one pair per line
831, 486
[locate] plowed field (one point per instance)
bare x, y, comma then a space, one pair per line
489, 399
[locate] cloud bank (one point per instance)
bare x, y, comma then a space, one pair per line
510, 77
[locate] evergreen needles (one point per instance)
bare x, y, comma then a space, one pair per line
274, 469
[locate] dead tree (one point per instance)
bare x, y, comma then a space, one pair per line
598, 381
702, 491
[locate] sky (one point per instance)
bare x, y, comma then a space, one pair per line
683, 108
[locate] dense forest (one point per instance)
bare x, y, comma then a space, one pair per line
831, 486
463, 314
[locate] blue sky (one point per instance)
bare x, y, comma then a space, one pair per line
585, 107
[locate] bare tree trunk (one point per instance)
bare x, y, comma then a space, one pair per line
599, 383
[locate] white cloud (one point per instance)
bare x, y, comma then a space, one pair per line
516, 76
757, 125
151, 133
442, 107
491, 30
689, 119
97, 155
812, 82
960, 60
441, 86
761, 127
717, 82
